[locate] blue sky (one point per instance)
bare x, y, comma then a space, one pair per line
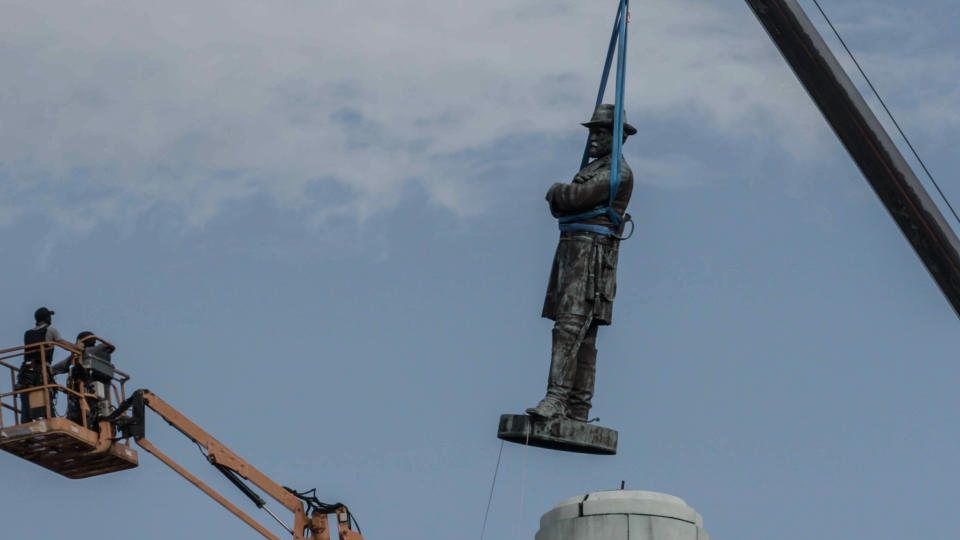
319, 230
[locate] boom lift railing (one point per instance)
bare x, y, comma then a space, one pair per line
76, 449
314, 526
82, 444
11, 359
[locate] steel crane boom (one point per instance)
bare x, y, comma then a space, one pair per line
866, 140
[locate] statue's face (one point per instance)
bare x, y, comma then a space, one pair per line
600, 142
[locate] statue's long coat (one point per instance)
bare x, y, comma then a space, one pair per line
583, 280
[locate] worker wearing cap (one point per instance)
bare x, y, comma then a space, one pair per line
34, 359
86, 342
582, 281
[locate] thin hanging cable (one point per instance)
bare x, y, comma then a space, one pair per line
887, 109
490, 497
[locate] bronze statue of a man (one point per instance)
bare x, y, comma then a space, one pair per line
583, 279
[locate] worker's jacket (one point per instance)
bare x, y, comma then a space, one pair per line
32, 355
583, 279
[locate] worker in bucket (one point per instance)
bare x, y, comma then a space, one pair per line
35, 357
79, 379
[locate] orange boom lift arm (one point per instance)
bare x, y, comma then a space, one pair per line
310, 516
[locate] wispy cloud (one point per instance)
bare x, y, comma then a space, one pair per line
333, 109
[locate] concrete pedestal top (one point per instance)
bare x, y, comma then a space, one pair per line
649, 503
622, 515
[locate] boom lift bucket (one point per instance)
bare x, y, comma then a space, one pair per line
95, 438
80, 447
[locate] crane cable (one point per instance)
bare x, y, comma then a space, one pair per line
886, 109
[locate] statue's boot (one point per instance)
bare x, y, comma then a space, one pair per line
581, 395
563, 367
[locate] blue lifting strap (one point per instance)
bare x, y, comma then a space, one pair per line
619, 34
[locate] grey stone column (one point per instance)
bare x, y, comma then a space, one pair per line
622, 515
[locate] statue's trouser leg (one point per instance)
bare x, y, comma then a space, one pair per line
567, 330
581, 395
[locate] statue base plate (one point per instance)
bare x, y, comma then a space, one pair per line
557, 434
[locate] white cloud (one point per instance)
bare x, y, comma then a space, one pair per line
108, 110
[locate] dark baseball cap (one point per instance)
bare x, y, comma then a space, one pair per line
42, 314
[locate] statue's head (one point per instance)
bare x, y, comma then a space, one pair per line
601, 130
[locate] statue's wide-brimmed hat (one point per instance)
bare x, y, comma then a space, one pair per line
603, 117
